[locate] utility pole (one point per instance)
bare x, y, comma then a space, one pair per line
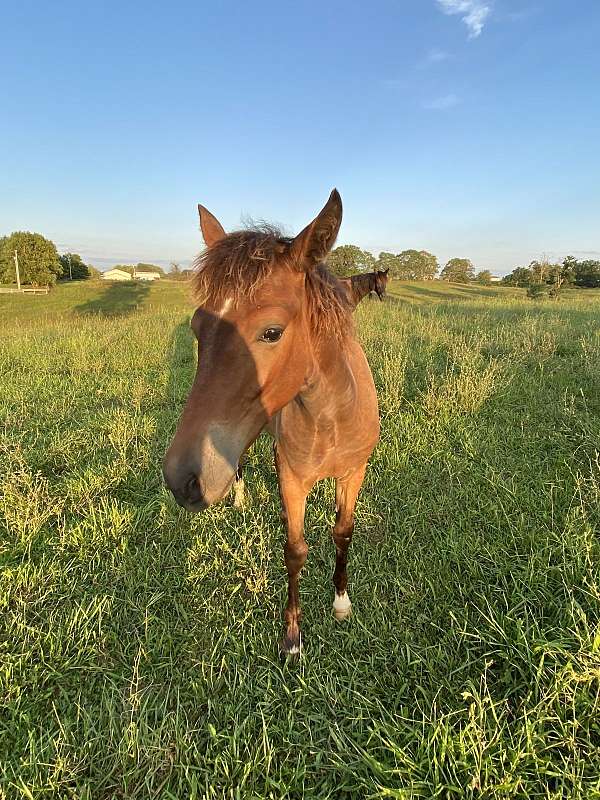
70, 270
16, 257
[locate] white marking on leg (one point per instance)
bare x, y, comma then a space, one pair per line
239, 493
342, 607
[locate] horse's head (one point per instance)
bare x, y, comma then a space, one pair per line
262, 297
381, 279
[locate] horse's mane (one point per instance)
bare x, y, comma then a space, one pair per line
237, 265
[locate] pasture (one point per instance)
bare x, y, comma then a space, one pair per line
137, 643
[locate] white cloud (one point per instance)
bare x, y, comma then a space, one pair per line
474, 13
442, 103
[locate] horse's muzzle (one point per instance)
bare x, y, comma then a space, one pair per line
187, 492
188, 482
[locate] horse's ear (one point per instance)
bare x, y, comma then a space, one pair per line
212, 230
312, 245
385, 271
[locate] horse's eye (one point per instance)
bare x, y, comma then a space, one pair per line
272, 335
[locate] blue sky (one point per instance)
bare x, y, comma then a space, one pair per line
465, 127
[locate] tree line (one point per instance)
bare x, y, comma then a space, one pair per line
569, 272
409, 265
40, 264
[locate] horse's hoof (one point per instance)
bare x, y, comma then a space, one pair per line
342, 607
239, 494
291, 647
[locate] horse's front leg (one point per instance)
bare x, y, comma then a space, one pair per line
346, 494
293, 499
239, 489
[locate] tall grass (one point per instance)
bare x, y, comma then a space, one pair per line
138, 644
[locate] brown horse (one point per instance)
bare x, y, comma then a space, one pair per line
277, 350
359, 286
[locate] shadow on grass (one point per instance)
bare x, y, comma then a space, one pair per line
117, 299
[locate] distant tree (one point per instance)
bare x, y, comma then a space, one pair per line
178, 274
539, 270
391, 262
558, 276
141, 267
458, 270
543, 271
38, 259
94, 271
484, 276
587, 274
76, 268
416, 265
520, 276
348, 259
569, 269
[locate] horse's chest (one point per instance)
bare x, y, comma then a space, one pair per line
319, 448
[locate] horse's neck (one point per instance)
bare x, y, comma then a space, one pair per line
361, 286
331, 386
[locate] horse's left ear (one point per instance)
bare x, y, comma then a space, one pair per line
312, 245
212, 230
385, 271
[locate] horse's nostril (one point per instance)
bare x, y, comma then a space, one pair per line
192, 490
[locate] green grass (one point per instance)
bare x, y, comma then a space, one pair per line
138, 644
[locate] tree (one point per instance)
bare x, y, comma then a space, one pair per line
73, 267
38, 259
391, 262
458, 270
484, 276
569, 269
409, 265
543, 271
418, 265
141, 267
587, 274
178, 274
520, 276
558, 276
348, 259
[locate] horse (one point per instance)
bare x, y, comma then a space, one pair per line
362, 284
277, 351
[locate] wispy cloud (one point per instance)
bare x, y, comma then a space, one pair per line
434, 56
474, 13
441, 103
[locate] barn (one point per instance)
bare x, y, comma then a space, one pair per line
115, 275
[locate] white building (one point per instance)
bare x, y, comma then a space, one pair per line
147, 276
115, 275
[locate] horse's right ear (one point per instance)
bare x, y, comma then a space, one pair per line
312, 245
212, 230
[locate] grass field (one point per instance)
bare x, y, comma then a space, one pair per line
138, 644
